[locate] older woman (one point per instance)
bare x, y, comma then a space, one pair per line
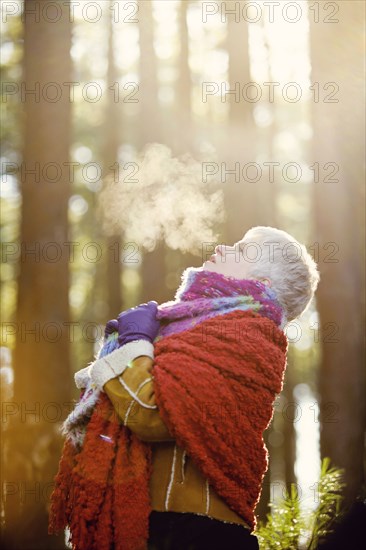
177, 462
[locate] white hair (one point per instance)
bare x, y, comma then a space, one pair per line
282, 259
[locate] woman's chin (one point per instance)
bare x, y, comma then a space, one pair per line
209, 266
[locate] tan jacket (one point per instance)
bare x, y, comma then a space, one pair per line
176, 484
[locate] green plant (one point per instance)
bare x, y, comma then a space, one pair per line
287, 527
328, 512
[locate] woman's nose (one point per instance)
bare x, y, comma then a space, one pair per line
219, 249
222, 248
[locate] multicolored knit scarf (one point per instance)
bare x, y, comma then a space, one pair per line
202, 295
98, 485
206, 294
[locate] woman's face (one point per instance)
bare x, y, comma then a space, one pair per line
231, 261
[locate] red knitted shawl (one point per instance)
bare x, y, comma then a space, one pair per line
215, 386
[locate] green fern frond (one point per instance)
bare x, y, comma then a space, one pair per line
285, 524
328, 512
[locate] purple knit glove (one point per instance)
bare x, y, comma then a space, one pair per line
138, 323
110, 328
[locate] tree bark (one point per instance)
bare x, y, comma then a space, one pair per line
41, 360
338, 121
153, 270
112, 125
182, 140
240, 195
150, 115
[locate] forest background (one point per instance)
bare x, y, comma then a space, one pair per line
137, 135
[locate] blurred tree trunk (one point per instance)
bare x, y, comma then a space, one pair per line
338, 58
268, 189
241, 195
41, 360
110, 157
150, 115
182, 140
289, 437
153, 265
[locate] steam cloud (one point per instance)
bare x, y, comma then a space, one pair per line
167, 202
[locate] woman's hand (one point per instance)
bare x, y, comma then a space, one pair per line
138, 323
110, 328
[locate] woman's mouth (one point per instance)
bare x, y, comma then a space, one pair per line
213, 259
